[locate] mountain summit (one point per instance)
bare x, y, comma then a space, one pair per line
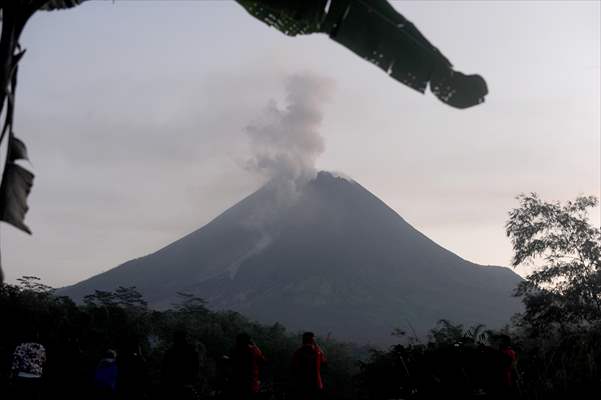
328, 256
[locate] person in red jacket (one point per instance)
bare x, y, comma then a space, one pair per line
306, 368
247, 359
508, 378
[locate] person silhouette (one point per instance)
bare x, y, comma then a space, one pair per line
105, 376
180, 369
508, 359
247, 360
68, 373
132, 372
306, 368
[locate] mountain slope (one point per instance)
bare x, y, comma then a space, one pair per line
331, 258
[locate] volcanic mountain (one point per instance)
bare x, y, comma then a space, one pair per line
328, 256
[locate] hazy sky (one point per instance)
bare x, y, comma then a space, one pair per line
135, 113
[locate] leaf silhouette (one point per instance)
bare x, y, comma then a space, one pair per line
459, 90
18, 150
376, 32
15, 187
291, 17
52, 5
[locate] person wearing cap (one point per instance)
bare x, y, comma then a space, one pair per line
306, 368
105, 377
246, 359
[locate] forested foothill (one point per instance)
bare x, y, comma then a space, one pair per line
76, 336
554, 346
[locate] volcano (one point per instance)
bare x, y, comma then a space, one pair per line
326, 256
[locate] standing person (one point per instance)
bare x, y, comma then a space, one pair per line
180, 369
247, 359
306, 368
67, 372
27, 370
132, 374
508, 372
105, 377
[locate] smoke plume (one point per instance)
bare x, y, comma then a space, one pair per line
285, 142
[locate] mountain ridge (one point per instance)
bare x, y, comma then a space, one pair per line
328, 256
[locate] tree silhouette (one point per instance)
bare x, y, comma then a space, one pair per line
566, 286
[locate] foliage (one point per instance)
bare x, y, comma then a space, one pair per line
559, 364
77, 335
432, 370
557, 339
34, 284
376, 32
50, 5
291, 17
127, 297
456, 361
188, 303
566, 287
448, 333
560, 331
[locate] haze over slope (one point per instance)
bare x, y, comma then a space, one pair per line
328, 256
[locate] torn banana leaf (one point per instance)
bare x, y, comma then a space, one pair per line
376, 32
18, 150
15, 187
60, 4
291, 17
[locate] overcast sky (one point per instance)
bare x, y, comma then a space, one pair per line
134, 115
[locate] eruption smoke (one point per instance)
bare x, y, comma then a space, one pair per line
286, 143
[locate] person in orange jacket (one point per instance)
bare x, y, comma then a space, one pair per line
247, 359
508, 378
306, 368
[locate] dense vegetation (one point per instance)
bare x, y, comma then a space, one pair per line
557, 339
76, 336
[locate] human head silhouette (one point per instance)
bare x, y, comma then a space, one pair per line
308, 338
504, 341
243, 339
110, 354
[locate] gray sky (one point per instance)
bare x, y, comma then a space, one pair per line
134, 115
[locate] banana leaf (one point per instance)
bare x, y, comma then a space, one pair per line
15, 187
376, 32
52, 5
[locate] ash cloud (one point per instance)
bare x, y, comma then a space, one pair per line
285, 142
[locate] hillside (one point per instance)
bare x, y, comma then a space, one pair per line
330, 257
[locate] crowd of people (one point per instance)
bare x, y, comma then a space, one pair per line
123, 375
